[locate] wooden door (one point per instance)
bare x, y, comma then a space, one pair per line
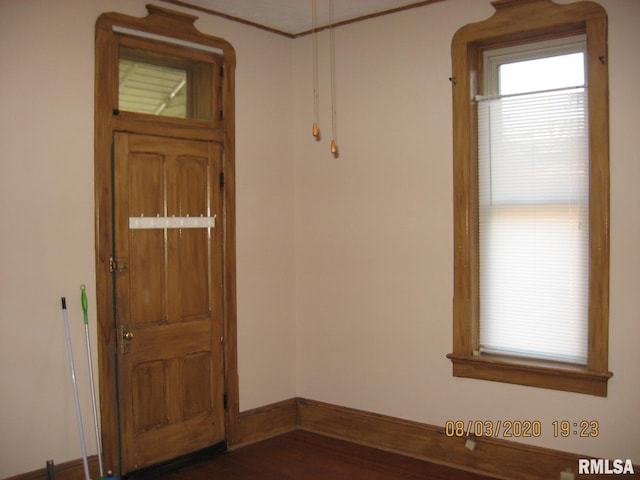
168, 288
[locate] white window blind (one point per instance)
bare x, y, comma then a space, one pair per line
533, 170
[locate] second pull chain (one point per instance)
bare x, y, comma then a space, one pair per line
334, 115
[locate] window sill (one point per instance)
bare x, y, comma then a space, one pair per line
552, 375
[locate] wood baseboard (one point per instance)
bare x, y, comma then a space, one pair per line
266, 422
492, 457
71, 470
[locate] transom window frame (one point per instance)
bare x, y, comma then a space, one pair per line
517, 22
203, 67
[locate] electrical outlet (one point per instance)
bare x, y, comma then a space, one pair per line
567, 475
470, 444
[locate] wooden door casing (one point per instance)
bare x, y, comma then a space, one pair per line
177, 28
169, 298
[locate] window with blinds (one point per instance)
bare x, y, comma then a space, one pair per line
533, 202
530, 98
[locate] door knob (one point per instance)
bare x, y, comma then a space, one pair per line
127, 336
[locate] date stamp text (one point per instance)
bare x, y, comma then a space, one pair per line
520, 428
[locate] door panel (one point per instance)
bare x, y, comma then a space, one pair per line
195, 387
192, 296
148, 380
145, 197
191, 191
169, 300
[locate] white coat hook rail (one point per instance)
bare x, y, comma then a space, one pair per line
143, 222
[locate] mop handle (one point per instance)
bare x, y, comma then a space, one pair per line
75, 388
83, 300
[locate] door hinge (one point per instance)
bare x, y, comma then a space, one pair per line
221, 179
118, 264
225, 402
221, 115
221, 72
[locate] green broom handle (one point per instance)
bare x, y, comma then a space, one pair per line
83, 300
83, 297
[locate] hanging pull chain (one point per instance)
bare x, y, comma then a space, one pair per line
316, 92
334, 127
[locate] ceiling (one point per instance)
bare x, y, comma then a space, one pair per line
153, 89
294, 17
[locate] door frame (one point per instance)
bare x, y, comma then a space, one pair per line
176, 30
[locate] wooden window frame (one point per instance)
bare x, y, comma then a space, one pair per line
199, 68
516, 22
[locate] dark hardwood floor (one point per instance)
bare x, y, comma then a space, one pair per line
300, 455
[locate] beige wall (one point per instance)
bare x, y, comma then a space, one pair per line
374, 234
344, 266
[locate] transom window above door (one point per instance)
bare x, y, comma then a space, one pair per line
152, 89
178, 84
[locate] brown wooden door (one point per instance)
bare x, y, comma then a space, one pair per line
168, 298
